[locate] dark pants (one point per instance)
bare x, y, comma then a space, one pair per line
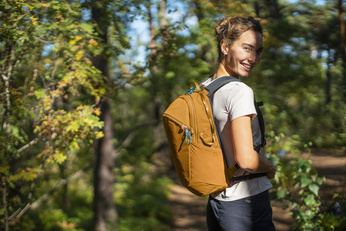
248, 214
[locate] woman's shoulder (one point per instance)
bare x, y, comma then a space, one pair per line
236, 88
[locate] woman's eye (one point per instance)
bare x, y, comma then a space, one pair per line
247, 48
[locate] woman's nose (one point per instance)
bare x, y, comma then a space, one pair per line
253, 57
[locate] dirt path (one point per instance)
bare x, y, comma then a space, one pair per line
189, 210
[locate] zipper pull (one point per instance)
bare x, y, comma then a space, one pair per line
192, 89
190, 137
187, 135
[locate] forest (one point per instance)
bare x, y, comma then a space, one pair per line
84, 85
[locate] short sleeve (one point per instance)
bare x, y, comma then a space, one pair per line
240, 102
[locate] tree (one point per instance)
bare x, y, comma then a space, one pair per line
105, 214
108, 16
45, 72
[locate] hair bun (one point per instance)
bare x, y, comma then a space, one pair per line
221, 25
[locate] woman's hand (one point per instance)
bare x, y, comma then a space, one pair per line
272, 171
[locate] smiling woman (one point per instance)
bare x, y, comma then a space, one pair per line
243, 55
239, 37
245, 204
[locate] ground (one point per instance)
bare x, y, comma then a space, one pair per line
189, 210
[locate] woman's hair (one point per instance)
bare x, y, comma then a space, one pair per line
231, 28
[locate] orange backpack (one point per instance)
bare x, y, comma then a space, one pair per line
193, 140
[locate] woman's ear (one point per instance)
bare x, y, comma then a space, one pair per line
224, 47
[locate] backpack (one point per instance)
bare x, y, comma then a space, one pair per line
194, 143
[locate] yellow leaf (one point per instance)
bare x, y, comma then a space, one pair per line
3, 169
79, 55
72, 42
78, 38
99, 135
74, 145
98, 112
59, 157
93, 42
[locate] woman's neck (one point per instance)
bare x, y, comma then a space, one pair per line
222, 70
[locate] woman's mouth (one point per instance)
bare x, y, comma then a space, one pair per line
247, 67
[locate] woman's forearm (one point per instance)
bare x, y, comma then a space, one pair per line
245, 156
255, 163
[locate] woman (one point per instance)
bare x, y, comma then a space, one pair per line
244, 205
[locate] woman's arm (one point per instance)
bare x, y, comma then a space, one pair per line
244, 154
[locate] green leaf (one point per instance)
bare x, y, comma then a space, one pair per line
319, 180
40, 93
304, 181
102, 91
87, 27
314, 188
276, 160
281, 194
309, 200
16, 133
169, 75
308, 213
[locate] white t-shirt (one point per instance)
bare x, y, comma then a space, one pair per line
231, 101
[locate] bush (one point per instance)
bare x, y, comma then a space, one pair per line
297, 185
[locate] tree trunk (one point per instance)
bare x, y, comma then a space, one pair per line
152, 45
162, 13
158, 130
105, 215
274, 9
342, 44
64, 196
205, 48
258, 8
328, 83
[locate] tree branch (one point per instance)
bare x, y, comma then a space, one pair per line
4, 201
31, 206
34, 141
129, 135
20, 211
62, 182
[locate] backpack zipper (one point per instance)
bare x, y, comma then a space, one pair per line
195, 119
187, 131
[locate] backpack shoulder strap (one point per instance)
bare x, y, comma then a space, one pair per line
221, 81
212, 88
261, 125
218, 83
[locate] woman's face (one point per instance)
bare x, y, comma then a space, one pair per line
243, 54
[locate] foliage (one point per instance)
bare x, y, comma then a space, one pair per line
292, 76
296, 185
66, 212
50, 94
45, 71
142, 198
142, 188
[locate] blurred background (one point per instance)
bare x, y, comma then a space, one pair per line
84, 85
